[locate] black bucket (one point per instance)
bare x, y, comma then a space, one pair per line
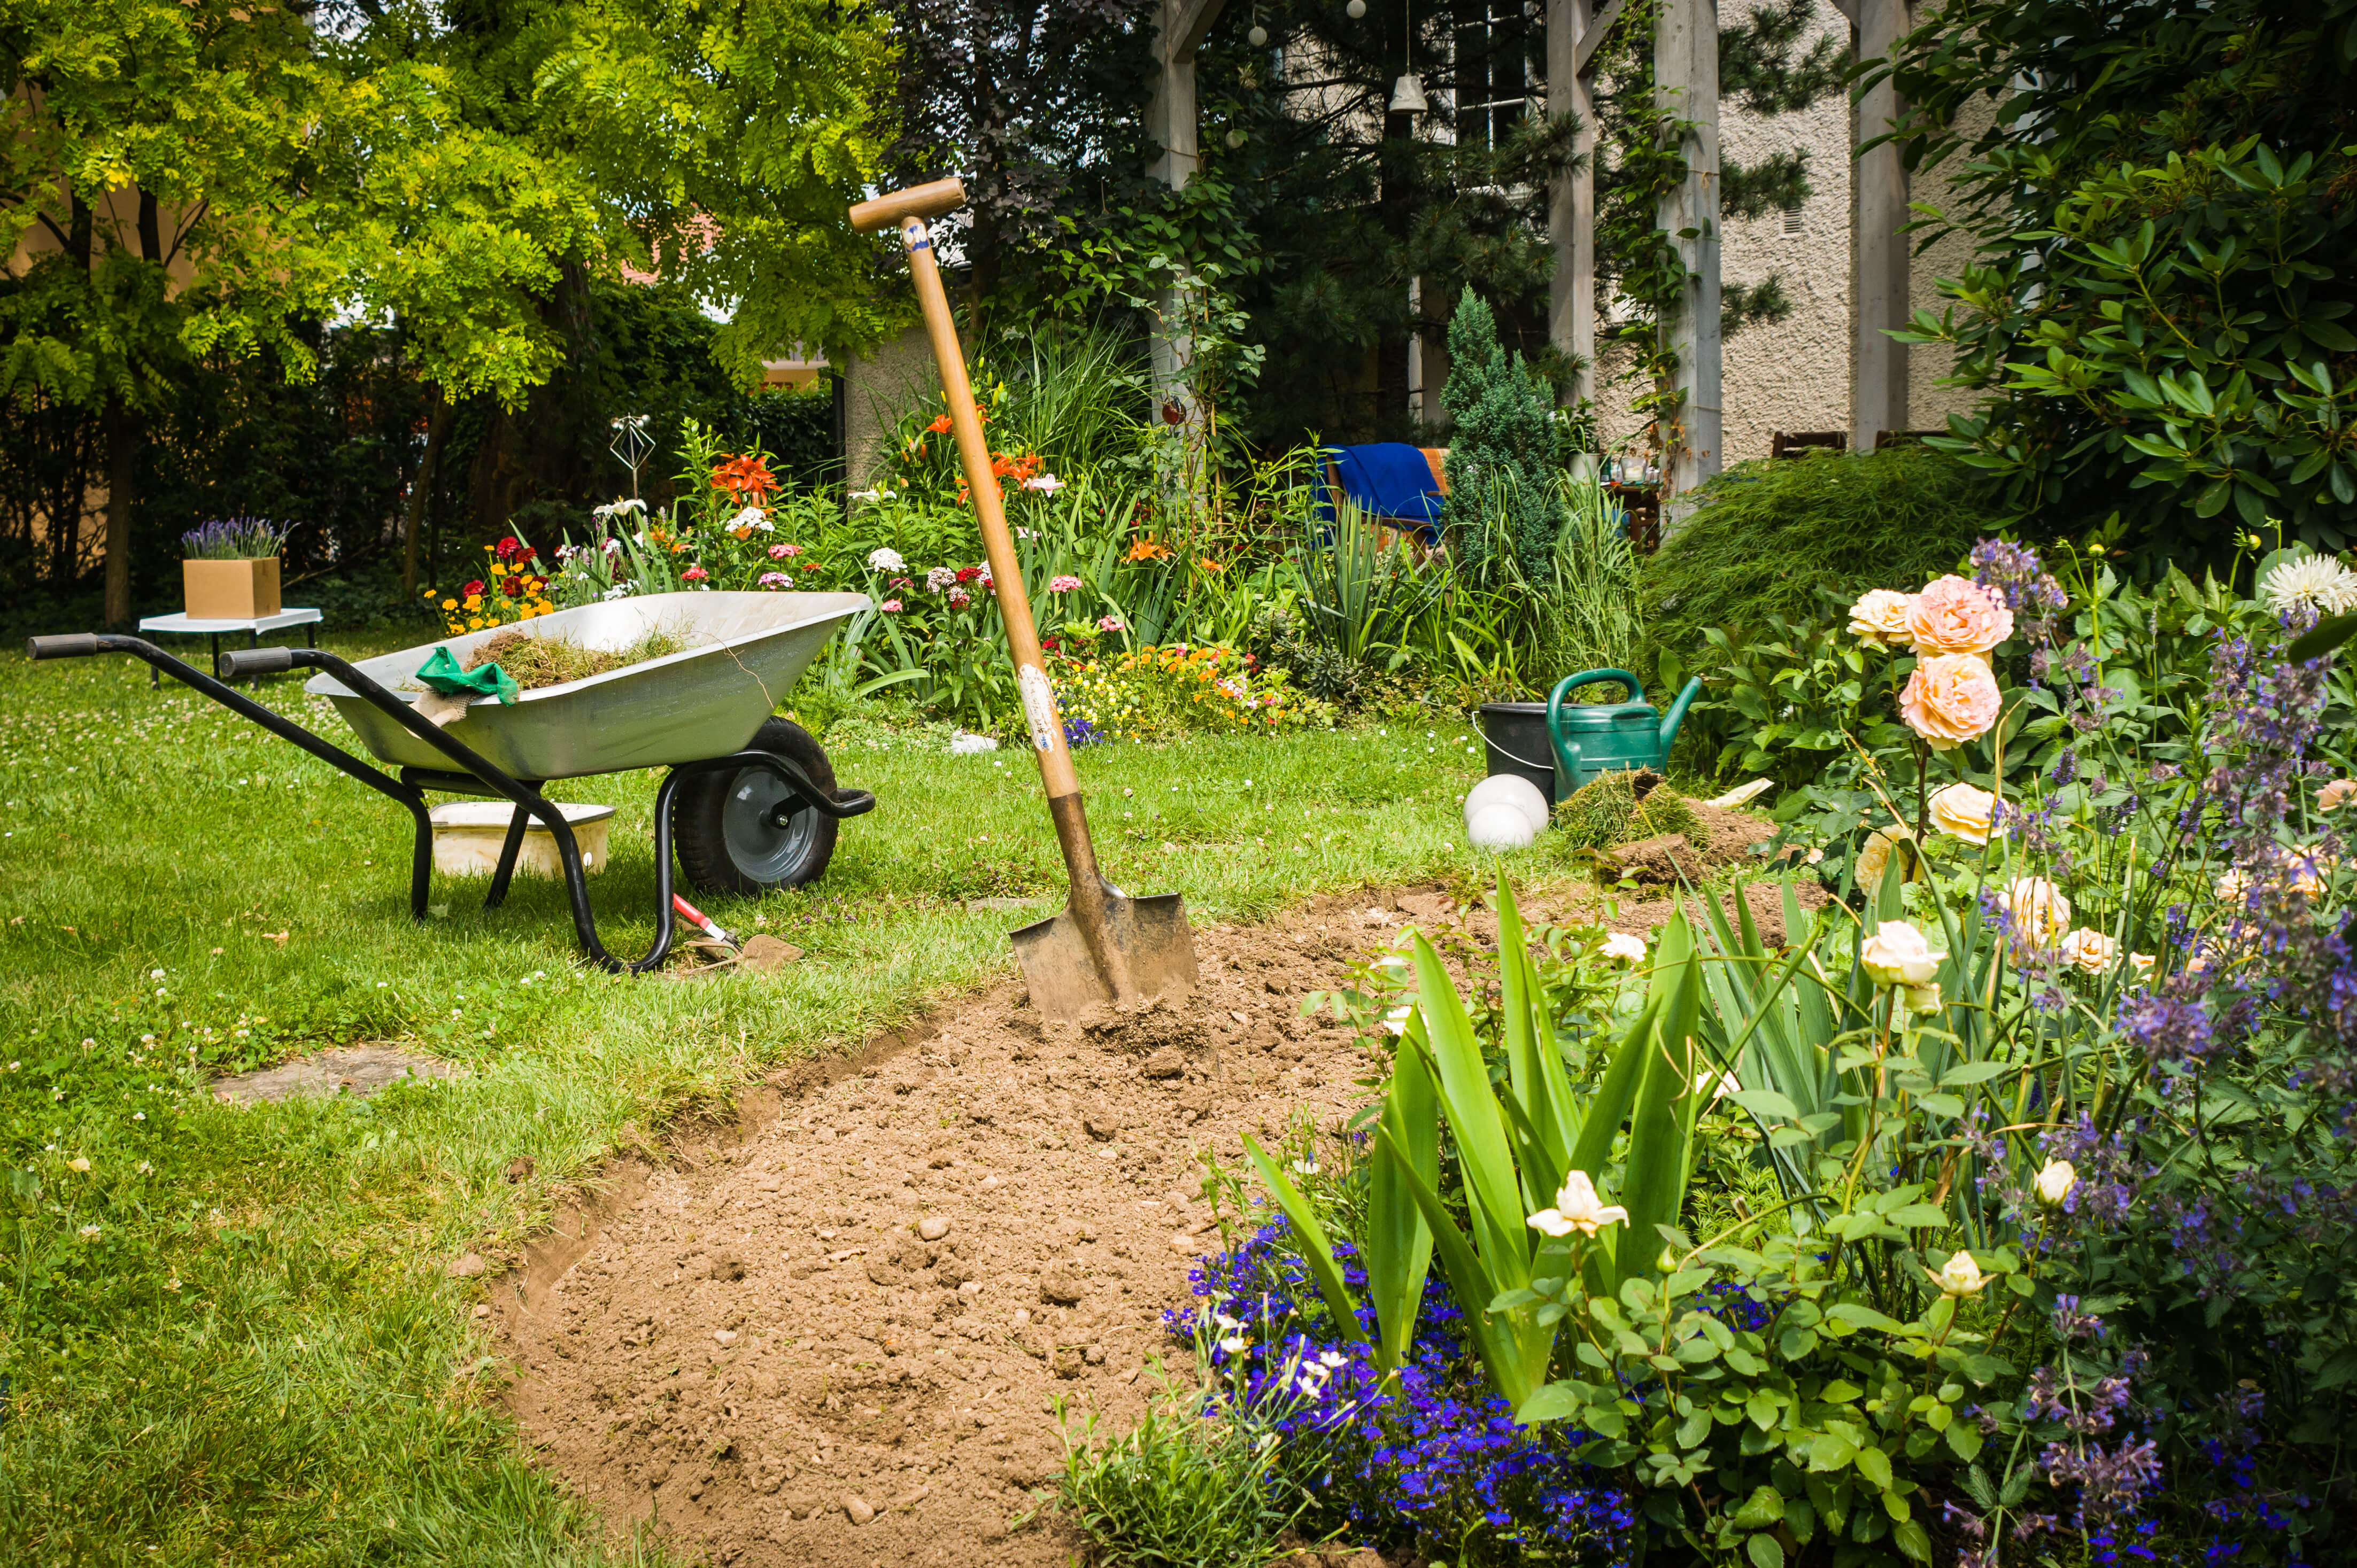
1516, 738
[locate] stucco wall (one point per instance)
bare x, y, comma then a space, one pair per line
1792, 374
875, 391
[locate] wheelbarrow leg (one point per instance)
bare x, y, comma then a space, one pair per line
420, 858
509, 849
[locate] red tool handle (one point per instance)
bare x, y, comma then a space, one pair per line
698, 918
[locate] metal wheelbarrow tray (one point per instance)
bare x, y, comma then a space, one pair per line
751, 798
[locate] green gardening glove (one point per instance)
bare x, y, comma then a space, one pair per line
441, 673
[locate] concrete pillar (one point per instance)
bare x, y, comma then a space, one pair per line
1571, 199
1879, 291
1173, 124
1686, 80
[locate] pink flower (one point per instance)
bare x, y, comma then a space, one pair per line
693, 575
1952, 698
960, 598
781, 551
1048, 482
775, 580
1955, 615
891, 606
1109, 623
1062, 585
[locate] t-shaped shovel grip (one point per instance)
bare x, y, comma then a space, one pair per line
921, 201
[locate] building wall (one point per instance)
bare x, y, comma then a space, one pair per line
877, 389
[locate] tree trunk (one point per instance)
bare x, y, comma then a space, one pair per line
122, 435
438, 426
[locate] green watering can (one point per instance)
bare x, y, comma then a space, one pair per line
1597, 738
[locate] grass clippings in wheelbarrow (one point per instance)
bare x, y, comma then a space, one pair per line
537, 661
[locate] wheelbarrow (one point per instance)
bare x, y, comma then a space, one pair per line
749, 801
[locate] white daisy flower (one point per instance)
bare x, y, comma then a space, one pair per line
2316, 581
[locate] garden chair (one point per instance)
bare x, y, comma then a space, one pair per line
1402, 488
1791, 444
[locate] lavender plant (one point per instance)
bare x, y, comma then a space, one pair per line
234, 539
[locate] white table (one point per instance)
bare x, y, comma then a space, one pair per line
189, 626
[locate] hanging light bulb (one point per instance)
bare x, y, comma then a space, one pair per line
1258, 37
1355, 9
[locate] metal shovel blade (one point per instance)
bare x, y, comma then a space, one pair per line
1150, 946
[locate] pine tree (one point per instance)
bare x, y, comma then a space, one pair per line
1503, 456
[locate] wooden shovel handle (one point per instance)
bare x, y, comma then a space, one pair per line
917, 201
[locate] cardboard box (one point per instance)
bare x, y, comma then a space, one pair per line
230, 590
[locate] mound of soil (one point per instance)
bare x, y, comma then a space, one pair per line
833, 1333
836, 1339
1719, 838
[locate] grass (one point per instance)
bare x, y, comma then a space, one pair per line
536, 661
253, 1355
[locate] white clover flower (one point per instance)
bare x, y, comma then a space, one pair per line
2315, 582
885, 559
89, 1233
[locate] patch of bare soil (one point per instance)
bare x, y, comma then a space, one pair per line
833, 1334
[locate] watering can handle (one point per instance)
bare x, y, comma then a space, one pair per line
1564, 687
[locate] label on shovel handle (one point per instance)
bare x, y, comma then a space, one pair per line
1039, 705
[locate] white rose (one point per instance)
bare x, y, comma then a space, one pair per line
1960, 1276
2055, 1182
1879, 618
1897, 954
1622, 945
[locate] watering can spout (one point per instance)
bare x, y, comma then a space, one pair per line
1677, 715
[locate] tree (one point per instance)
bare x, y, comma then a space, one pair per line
1503, 456
186, 179
2158, 313
151, 156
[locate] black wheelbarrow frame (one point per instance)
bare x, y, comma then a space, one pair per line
471, 775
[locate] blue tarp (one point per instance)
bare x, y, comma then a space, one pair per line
1389, 480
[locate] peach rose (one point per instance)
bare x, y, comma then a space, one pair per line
1879, 618
2040, 911
2091, 950
1966, 811
1955, 615
2333, 796
1952, 698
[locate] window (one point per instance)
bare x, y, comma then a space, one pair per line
1492, 41
1793, 228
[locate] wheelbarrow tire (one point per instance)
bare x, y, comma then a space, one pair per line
739, 832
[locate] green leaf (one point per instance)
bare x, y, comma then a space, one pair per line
1830, 1452
1964, 1438
1964, 1074
1764, 1551
1910, 1538
1763, 1508
1398, 1241
1874, 1466
1555, 1401
1316, 1251
1767, 1102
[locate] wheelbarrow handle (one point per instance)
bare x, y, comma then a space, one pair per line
241, 663
65, 645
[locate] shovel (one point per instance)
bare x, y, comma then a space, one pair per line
1106, 946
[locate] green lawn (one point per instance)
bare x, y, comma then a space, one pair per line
230, 1339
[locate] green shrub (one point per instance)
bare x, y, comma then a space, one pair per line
1182, 1489
1618, 807
1767, 536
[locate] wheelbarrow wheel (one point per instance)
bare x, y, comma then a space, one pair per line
745, 831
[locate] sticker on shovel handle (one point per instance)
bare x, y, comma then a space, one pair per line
1039, 705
